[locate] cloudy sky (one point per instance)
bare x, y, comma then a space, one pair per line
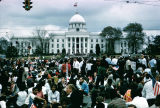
55, 14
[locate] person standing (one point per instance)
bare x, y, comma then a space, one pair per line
101, 73
76, 66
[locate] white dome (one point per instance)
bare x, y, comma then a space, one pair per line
77, 19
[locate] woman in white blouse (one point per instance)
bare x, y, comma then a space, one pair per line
54, 97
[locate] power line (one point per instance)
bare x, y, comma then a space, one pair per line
145, 2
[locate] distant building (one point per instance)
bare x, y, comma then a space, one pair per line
76, 40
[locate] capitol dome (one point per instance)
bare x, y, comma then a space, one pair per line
77, 19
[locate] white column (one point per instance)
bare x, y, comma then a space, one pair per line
75, 45
71, 45
88, 49
66, 45
84, 45
80, 45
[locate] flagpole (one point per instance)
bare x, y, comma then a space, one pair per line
76, 9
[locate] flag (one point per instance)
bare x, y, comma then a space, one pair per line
156, 87
75, 4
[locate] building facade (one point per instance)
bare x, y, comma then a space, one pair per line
76, 40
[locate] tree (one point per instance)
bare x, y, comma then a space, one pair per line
135, 35
11, 52
3, 45
157, 40
41, 34
155, 47
38, 50
1, 50
112, 34
97, 49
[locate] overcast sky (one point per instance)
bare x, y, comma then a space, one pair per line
55, 14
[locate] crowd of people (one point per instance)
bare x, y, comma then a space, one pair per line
110, 82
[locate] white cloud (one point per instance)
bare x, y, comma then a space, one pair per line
97, 13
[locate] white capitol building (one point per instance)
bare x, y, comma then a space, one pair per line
76, 40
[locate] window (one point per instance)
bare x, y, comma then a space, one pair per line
77, 40
96, 40
101, 40
77, 29
68, 39
57, 40
63, 45
86, 51
81, 44
57, 45
86, 39
101, 45
32, 43
85, 44
57, 50
91, 45
62, 40
121, 50
68, 44
91, 40
124, 44
52, 45
52, 40
125, 51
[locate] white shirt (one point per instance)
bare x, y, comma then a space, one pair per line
147, 91
76, 65
128, 63
44, 90
114, 61
32, 96
78, 84
2, 104
108, 60
53, 96
47, 87
81, 63
15, 78
139, 102
88, 66
148, 70
30, 90
105, 105
143, 61
22, 95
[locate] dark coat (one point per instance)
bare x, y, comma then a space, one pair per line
76, 99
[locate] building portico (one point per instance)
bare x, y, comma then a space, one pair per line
77, 45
